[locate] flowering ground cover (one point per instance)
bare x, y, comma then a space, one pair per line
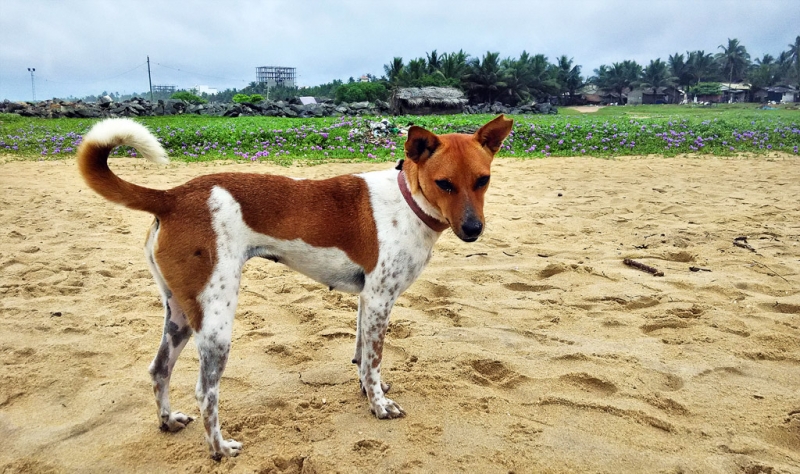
613, 131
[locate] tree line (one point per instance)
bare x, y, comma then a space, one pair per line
533, 77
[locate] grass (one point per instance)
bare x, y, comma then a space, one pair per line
723, 130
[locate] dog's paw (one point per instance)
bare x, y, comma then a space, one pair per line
386, 408
176, 421
229, 448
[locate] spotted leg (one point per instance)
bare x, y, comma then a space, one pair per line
176, 334
357, 357
213, 343
173, 340
374, 323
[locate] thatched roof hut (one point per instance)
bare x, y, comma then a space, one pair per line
428, 100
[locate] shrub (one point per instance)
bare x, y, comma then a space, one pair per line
188, 97
361, 92
250, 99
706, 88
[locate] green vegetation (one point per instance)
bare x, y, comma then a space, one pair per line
188, 97
249, 99
361, 91
612, 131
705, 88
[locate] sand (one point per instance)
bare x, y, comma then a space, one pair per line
534, 349
586, 109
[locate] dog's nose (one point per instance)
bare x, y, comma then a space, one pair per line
472, 228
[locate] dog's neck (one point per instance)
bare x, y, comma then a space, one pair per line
430, 221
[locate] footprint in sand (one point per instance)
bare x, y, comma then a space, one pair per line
432, 290
370, 446
664, 324
784, 308
590, 383
493, 372
518, 286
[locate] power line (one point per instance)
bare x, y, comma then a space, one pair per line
92, 81
198, 73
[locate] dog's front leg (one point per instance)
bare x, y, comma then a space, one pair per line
374, 313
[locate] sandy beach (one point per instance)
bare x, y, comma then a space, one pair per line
535, 349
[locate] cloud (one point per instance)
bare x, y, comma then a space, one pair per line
84, 47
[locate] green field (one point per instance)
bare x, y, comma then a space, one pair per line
724, 130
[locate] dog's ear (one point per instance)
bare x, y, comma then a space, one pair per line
492, 134
420, 144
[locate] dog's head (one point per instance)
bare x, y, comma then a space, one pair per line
452, 172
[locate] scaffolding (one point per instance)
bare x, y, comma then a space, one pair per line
165, 89
275, 76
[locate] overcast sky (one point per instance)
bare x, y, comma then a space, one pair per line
82, 47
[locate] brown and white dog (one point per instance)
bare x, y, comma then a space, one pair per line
370, 234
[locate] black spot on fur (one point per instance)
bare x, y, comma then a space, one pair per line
161, 364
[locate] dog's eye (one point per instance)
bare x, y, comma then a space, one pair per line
481, 182
445, 185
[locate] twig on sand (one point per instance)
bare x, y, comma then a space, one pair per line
773, 271
643, 267
699, 269
742, 242
475, 254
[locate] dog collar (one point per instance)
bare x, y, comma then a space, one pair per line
434, 224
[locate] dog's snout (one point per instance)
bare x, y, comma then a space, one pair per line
472, 228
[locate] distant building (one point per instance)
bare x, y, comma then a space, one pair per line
165, 89
203, 89
275, 76
663, 95
735, 92
778, 94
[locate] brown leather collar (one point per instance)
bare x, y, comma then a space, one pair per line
434, 224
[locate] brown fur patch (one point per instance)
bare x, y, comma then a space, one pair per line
335, 212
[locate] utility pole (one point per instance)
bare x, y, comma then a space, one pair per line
149, 79
33, 84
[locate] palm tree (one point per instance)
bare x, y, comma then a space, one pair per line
657, 75
544, 77
485, 78
700, 66
680, 70
784, 66
794, 55
734, 60
454, 67
569, 77
415, 70
764, 73
516, 74
394, 71
434, 63
618, 77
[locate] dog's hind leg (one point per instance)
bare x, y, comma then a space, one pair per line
173, 340
213, 341
176, 335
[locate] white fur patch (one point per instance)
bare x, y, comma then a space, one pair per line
236, 242
123, 131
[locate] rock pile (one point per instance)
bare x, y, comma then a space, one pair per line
136, 107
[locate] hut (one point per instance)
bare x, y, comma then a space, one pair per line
428, 101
